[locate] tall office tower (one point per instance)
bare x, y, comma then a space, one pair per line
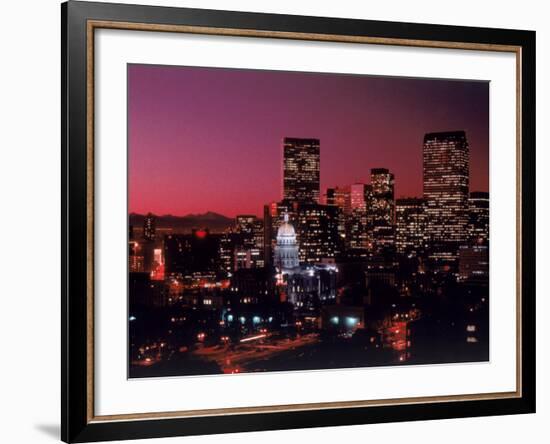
301, 170
339, 197
249, 242
446, 177
357, 230
357, 196
342, 199
410, 225
357, 227
317, 227
478, 220
382, 183
370, 215
368, 196
382, 208
332, 199
149, 227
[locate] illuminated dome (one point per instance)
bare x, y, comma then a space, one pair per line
286, 250
286, 231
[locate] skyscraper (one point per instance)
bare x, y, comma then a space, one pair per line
382, 182
446, 182
334, 199
340, 197
410, 225
317, 232
301, 166
478, 220
357, 227
357, 191
382, 208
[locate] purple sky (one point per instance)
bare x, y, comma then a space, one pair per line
205, 139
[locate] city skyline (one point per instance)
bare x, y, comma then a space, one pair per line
173, 178
321, 263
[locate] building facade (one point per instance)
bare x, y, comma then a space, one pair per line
340, 198
317, 232
478, 217
446, 184
410, 225
473, 263
301, 170
382, 209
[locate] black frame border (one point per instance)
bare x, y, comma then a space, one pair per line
75, 424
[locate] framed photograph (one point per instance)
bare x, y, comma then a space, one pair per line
276, 221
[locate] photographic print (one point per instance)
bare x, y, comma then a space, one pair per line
287, 221
256, 201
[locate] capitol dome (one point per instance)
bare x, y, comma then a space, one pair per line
286, 229
286, 250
